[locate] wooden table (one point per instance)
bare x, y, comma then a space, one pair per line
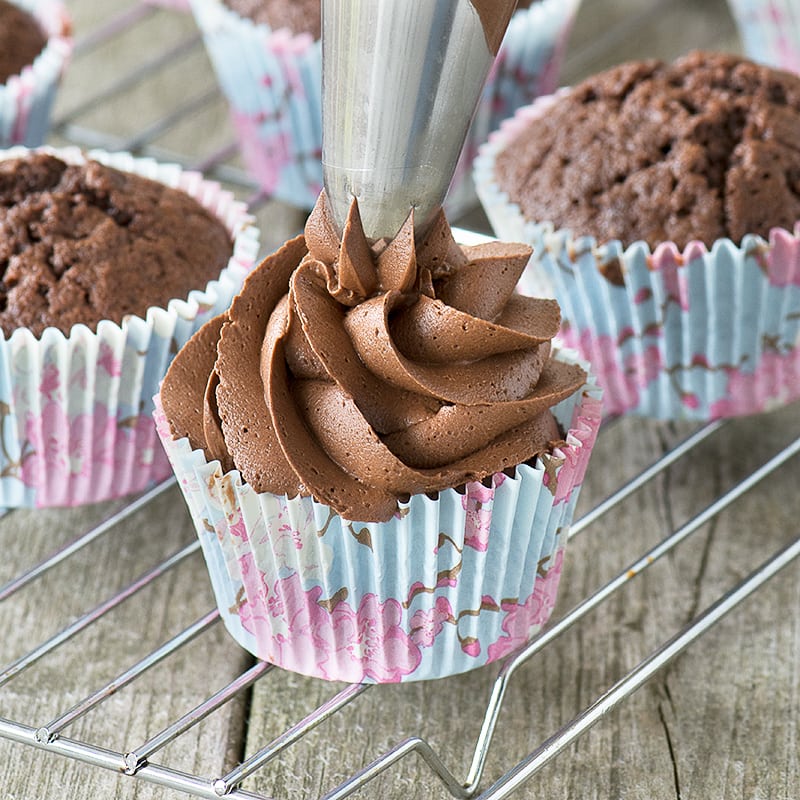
721, 721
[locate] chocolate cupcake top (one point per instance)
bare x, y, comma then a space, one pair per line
299, 16
360, 375
21, 40
84, 243
700, 149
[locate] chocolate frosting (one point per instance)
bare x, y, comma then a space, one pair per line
383, 371
494, 15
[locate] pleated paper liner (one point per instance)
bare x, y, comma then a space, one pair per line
770, 31
26, 100
698, 334
76, 411
447, 585
272, 81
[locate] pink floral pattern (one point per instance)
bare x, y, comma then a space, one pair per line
623, 381
776, 380
351, 644
477, 504
70, 459
529, 615
729, 349
783, 259
769, 31
271, 81
427, 624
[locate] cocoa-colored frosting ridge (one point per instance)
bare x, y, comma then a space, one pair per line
362, 374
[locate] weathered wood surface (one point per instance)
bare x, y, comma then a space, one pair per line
720, 722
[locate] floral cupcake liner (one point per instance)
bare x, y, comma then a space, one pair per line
272, 81
76, 411
696, 334
26, 100
447, 585
527, 66
770, 31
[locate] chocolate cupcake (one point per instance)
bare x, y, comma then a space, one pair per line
109, 264
381, 453
662, 202
35, 46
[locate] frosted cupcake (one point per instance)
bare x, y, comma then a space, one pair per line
381, 454
267, 58
35, 46
109, 263
662, 204
770, 31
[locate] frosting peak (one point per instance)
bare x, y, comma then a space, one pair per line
361, 373
357, 270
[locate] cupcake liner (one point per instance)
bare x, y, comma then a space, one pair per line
272, 82
447, 585
76, 411
699, 334
26, 100
526, 67
770, 31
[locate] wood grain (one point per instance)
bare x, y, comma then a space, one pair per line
720, 722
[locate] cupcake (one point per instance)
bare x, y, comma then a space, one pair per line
109, 264
381, 453
662, 203
267, 57
770, 31
35, 46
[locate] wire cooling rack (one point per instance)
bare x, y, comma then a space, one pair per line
142, 760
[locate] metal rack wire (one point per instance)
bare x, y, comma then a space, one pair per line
141, 760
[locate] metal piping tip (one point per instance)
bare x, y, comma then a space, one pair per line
400, 83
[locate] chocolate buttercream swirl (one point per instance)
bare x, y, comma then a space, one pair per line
385, 370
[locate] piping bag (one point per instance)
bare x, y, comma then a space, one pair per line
400, 83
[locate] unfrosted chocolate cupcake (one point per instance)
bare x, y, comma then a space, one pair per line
700, 149
81, 243
107, 266
21, 40
35, 46
662, 202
